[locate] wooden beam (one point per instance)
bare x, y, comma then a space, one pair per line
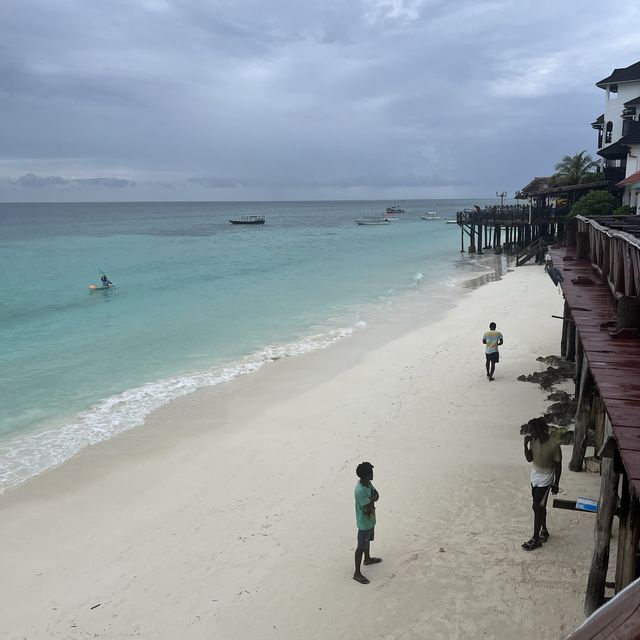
579, 362
602, 538
565, 325
583, 410
628, 536
598, 419
571, 342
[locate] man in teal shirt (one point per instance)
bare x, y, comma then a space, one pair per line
366, 496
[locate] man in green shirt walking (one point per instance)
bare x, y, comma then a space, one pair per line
366, 496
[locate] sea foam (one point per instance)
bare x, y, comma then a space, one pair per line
24, 457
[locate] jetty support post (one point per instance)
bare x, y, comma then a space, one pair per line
583, 416
578, 367
565, 326
571, 342
628, 535
602, 536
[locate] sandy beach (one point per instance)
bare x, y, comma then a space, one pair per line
230, 514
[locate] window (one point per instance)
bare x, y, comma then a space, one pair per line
609, 132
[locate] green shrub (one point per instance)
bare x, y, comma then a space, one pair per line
624, 210
594, 203
592, 177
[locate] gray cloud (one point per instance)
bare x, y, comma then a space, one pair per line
330, 96
33, 181
112, 183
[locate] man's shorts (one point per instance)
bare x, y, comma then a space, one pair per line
364, 538
493, 357
540, 495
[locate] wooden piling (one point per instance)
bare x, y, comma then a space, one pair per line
602, 536
628, 536
579, 363
571, 342
583, 414
565, 326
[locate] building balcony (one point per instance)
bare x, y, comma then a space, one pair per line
614, 174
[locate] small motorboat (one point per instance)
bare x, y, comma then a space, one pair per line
430, 215
373, 220
248, 220
395, 209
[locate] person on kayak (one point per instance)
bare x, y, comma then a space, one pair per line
105, 281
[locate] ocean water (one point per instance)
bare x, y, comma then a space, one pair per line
198, 301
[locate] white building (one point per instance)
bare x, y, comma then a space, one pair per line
619, 131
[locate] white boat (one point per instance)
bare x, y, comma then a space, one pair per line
430, 215
372, 220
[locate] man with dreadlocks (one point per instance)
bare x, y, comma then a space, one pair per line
366, 497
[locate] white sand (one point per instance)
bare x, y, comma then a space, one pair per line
230, 513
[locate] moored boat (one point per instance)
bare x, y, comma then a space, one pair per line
248, 220
372, 220
430, 215
395, 209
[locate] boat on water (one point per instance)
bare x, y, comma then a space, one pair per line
100, 287
372, 220
395, 209
248, 220
430, 215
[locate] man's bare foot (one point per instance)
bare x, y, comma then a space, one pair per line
358, 577
372, 561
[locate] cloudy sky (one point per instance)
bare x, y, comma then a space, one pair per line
298, 99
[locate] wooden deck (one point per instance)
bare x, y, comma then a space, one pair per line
614, 362
508, 228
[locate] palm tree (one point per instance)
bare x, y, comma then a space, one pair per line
574, 168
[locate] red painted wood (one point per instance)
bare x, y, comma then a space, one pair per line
614, 363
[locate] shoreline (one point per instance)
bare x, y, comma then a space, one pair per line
236, 517
129, 409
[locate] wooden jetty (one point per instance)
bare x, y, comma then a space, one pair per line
599, 273
510, 228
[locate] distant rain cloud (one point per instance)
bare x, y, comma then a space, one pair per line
31, 181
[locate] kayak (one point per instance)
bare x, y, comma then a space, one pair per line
96, 287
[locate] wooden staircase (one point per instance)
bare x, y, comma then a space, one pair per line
524, 255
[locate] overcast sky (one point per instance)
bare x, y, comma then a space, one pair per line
299, 99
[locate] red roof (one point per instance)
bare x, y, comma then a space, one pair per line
633, 178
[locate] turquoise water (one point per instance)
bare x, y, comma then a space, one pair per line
197, 301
